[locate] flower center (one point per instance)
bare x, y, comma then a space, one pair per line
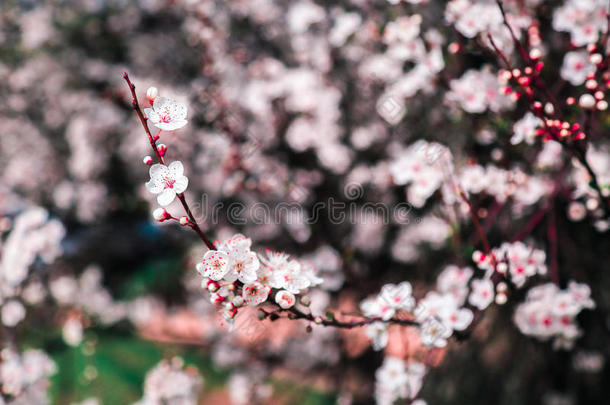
168, 182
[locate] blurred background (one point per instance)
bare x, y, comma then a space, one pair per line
290, 104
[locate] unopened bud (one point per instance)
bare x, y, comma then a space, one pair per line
162, 149
151, 94
147, 160
535, 54
501, 268
160, 214
602, 105
591, 84
586, 101
595, 59
501, 298
478, 256
184, 221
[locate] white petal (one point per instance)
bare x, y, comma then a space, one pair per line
151, 114
178, 111
172, 125
176, 169
158, 170
159, 103
181, 184
166, 197
154, 186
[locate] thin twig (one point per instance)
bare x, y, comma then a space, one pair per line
153, 143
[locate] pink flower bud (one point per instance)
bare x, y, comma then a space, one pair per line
596, 58
591, 84
586, 101
162, 149
535, 54
160, 214
602, 105
151, 94
502, 268
147, 160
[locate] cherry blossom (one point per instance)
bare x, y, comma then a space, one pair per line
166, 114
550, 313
582, 19
397, 297
525, 129
255, 293
482, 293
171, 382
215, 265
167, 182
397, 379
576, 67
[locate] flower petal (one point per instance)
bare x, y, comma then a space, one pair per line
181, 184
158, 170
176, 169
155, 186
166, 197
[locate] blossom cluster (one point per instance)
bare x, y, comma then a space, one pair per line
34, 236
24, 377
515, 260
397, 379
235, 276
550, 312
171, 382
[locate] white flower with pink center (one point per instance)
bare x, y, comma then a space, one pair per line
455, 318
454, 280
285, 299
525, 129
398, 296
549, 312
482, 293
243, 263
377, 307
255, 293
434, 333
288, 274
167, 182
576, 67
167, 114
215, 265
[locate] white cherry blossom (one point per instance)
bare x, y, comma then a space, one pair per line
255, 293
167, 182
167, 114
482, 293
